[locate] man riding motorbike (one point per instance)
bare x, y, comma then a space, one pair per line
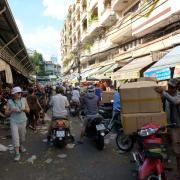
59, 104
90, 103
75, 95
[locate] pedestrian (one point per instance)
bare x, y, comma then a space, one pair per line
17, 108
43, 102
35, 108
172, 107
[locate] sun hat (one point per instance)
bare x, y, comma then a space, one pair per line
16, 90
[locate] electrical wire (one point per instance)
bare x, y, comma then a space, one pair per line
124, 22
119, 30
146, 7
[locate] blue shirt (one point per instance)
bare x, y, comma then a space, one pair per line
116, 99
98, 92
17, 117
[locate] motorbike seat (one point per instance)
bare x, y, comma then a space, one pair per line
105, 108
60, 117
92, 117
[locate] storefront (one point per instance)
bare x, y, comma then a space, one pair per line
5, 69
134, 69
167, 67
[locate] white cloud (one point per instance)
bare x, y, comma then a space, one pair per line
56, 8
44, 39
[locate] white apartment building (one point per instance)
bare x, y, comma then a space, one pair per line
129, 34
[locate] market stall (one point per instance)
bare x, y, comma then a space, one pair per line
167, 67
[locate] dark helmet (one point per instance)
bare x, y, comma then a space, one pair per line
59, 89
90, 89
173, 83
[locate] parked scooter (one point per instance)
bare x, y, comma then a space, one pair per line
150, 152
60, 132
95, 129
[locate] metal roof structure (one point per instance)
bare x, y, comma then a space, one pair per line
12, 48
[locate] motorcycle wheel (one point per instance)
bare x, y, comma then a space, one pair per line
124, 142
58, 143
100, 142
153, 176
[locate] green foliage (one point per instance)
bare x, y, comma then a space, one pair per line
91, 17
68, 59
37, 60
88, 46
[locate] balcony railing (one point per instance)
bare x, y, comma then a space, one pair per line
93, 27
84, 36
92, 4
108, 17
123, 30
119, 5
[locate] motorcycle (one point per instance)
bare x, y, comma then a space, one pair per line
106, 111
73, 108
60, 132
95, 130
150, 152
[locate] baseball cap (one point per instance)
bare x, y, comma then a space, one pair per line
16, 90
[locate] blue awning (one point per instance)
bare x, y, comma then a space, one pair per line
171, 59
160, 74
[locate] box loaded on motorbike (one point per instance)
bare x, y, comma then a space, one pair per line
142, 118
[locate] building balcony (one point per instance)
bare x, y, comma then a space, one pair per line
84, 36
108, 17
123, 30
92, 4
83, 15
93, 28
119, 5
159, 18
101, 45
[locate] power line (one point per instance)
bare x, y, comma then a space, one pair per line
119, 30
134, 17
146, 7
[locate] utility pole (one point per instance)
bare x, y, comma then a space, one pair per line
78, 61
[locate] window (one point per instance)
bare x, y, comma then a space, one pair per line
134, 8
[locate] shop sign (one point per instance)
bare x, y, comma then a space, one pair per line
160, 74
177, 71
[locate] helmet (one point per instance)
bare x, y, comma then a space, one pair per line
59, 89
172, 83
90, 89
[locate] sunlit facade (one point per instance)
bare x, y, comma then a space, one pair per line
118, 31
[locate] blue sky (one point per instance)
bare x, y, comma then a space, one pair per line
40, 22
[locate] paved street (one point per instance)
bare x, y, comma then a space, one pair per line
83, 162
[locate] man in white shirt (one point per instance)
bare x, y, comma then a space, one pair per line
59, 104
75, 95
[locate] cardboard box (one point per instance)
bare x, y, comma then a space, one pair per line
140, 97
132, 122
107, 96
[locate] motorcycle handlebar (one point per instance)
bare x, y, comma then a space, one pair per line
173, 125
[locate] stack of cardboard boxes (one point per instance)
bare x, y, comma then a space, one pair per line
140, 105
107, 96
